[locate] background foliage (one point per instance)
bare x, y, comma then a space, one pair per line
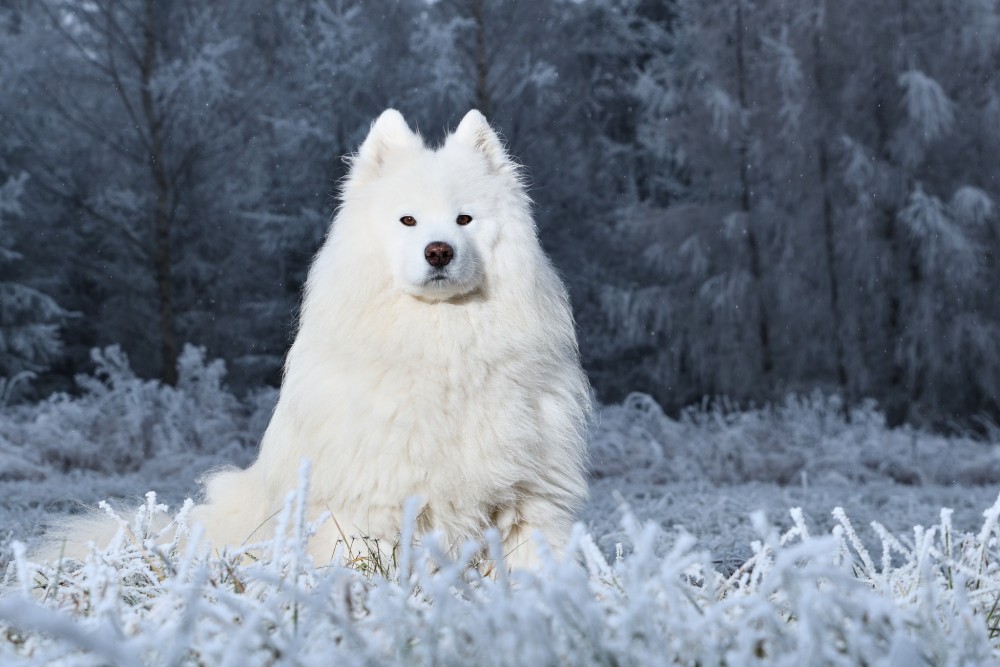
747, 198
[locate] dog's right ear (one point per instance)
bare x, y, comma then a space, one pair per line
388, 136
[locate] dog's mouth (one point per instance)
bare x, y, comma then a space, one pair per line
438, 275
443, 285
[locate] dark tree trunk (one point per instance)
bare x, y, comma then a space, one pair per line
895, 398
829, 239
753, 246
162, 217
483, 101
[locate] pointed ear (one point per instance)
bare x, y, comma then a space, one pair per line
388, 136
475, 132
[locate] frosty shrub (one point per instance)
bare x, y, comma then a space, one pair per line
930, 598
802, 439
120, 420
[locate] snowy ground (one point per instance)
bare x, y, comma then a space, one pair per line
707, 580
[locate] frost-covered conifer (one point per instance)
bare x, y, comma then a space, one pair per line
29, 318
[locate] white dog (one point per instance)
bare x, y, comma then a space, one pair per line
436, 358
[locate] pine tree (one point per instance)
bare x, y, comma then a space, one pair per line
29, 319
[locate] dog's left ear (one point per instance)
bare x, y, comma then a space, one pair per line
475, 131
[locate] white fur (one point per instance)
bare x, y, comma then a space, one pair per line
465, 391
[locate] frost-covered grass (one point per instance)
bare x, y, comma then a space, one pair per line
687, 553
928, 598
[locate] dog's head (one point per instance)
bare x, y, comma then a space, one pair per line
434, 215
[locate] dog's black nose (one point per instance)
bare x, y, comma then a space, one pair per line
438, 254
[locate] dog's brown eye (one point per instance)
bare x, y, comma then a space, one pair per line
408, 220
464, 219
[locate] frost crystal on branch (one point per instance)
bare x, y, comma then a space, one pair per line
927, 105
971, 206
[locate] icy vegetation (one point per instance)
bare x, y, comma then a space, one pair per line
122, 435
930, 598
803, 586
744, 197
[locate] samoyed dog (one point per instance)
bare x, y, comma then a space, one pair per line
436, 359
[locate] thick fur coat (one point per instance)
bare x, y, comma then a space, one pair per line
436, 358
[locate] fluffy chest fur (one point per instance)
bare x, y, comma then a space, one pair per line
436, 401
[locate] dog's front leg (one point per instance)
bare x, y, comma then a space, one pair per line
531, 521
